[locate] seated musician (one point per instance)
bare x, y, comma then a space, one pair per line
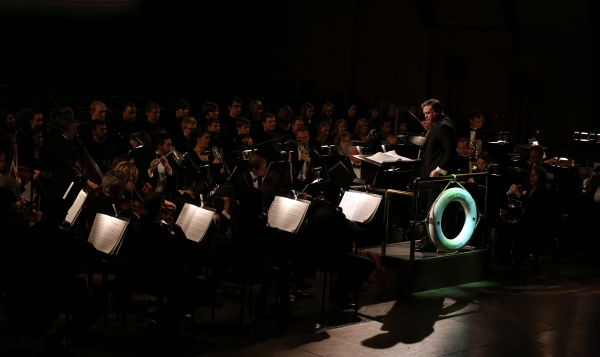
592, 184
199, 142
265, 138
538, 205
261, 252
462, 146
359, 169
100, 149
332, 234
536, 157
181, 134
307, 153
341, 142
276, 183
159, 169
253, 176
157, 261
322, 136
113, 186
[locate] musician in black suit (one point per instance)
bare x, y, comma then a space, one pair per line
257, 167
61, 158
309, 154
159, 170
268, 147
476, 128
358, 168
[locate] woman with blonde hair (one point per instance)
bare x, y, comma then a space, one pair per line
328, 113
340, 126
361, 130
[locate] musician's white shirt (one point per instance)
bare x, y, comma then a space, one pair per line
162, 176
304, 170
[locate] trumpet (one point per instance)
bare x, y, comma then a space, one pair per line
514, 212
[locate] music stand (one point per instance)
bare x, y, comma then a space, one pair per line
285, 165
340, 174
395, 175
410, 151
238, 170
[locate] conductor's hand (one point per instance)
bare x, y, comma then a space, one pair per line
434, 173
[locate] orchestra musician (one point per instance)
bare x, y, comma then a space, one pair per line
462, 146
253, 176
268, 147
200, 140
101, 150
158, 168
61, 160
538, 207
307, 153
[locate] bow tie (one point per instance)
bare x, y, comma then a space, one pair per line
256, 179
356, 166
473, 129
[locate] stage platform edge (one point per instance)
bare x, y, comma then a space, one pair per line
427, 271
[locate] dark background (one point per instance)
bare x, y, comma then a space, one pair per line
529, 65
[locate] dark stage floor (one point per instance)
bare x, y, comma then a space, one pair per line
551, 312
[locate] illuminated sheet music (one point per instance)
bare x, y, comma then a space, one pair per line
107, 233
75, 209
359, 206
194, 221
287, 214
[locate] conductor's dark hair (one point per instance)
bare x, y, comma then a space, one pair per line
233, 99
160, 139
181, 104
152, 204
255, 161
435, 104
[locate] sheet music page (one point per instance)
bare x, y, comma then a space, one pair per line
75, 209
366, 208
287, 214
186, 216
199, 225
106, 232
349, 202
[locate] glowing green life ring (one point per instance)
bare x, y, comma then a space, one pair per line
435, 219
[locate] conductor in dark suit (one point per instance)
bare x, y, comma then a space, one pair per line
438, 154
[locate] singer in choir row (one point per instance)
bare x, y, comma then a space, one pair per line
144, 166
